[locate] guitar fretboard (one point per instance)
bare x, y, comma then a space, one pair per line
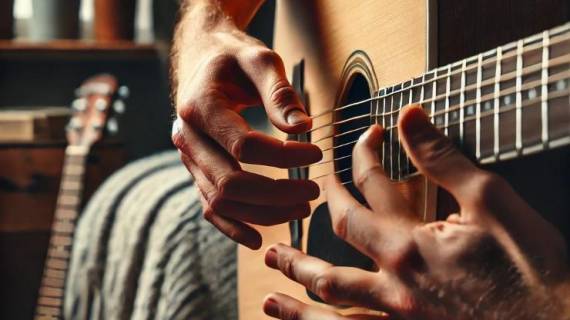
505, 103
50, 300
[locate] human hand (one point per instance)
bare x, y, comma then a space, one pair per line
220, 72
491, 260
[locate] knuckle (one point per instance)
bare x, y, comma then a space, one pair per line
361, 178
282, 94
236, 147
208, 214
326, 287
288, 265
190, 112
221, 61
265, 57
341, 221
224, 183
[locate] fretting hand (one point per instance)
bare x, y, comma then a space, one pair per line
491, 260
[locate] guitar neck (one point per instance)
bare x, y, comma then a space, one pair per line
502, 104
51, 293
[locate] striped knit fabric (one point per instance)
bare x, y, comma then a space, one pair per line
143, 251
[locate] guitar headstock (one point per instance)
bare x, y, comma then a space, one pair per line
99, 102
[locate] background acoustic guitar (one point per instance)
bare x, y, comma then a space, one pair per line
506, 106
99, 102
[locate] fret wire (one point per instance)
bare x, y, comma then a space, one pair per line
544, 86
478, 108
399, 141
497, 104
525, 104
411, 100
383, 126
339, 134
447, 89
454, 107
391, 139
434, 93
518, 114
462, 102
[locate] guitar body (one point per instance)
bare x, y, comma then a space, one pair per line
350, 50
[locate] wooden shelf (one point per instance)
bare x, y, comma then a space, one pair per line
76, 50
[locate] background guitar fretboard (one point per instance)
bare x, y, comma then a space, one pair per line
51, 293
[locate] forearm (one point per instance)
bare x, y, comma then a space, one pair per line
198, 18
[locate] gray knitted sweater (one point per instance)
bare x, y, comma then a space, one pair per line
143, 251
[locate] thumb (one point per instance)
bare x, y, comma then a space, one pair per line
434, 154
282, 104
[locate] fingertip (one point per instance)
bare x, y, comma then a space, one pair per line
255, 241
270, 305
271, 257
412, 119
372, 136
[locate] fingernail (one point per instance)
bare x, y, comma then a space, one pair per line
271, 307
296, 116
176, 126
271, 257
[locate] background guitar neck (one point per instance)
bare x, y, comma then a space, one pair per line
50, 300
502, 104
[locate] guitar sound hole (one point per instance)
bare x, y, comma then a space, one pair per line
322, 242
353, 123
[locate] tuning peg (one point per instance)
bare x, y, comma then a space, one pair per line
113, 126
79, 104
124, 92
119, 106
97, 125
74, 124
101, 104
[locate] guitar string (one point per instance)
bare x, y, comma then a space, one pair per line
562, 76
450, 74
526, 104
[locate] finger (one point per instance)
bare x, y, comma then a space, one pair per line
283, 106
434, 154
233, 229
370, 179
284, 307
231, 183
261, 215
215, 117
384, 238
337, 285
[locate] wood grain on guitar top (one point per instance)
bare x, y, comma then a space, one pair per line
325, 34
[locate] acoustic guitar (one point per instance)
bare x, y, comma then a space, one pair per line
95, 112
366, 60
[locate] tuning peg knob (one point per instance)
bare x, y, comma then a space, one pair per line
74, 124
79, 104
119, 106
124, 92
113, 126
97, 125
101, 104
